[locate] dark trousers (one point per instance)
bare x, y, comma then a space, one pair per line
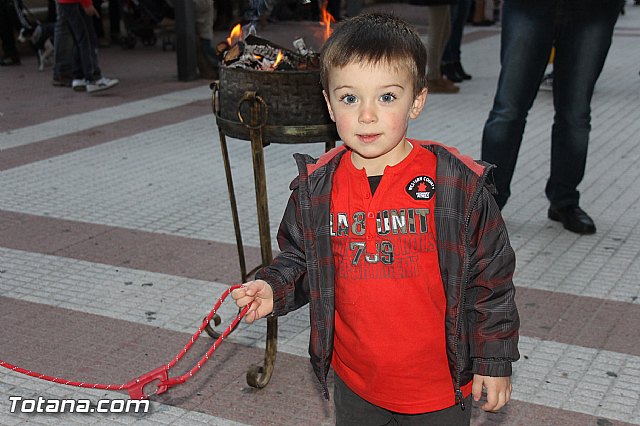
351, 410
581, 32
76, 44
8, 24
114, 17
459, 14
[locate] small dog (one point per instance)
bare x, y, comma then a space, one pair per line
40, 37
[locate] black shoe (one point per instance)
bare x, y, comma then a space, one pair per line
573, 218
449, 71
460, 71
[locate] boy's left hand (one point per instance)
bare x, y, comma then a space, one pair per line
498, 391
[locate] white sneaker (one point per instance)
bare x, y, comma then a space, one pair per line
102, 84
79, 84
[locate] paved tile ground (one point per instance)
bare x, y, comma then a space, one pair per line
116, 240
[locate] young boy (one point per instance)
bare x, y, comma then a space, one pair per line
398, 247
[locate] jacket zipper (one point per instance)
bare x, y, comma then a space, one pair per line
458, 391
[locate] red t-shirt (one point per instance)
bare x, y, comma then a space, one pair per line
390, 345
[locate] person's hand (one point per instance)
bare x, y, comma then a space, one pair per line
498, 391
91, 11
259, 294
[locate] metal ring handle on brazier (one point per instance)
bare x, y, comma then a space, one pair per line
251, 96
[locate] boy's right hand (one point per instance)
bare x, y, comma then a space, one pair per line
259, 294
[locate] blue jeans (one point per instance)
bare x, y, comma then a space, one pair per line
581, 32
76, 44
459, 14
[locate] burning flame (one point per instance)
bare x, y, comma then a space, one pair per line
327, 19
278, 59
235, 35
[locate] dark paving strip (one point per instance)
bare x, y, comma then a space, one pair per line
576, 320
583, 321
96, 349
154, 252
579, 320
42, 150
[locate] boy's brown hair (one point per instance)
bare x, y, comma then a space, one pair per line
374, 38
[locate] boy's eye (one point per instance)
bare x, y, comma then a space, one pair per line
348, 99
388, 97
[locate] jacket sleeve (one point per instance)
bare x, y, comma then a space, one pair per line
492, 316
287, 273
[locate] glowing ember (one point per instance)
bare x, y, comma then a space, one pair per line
326, 21
278, 58
235, 35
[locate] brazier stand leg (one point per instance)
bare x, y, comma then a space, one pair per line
259, 376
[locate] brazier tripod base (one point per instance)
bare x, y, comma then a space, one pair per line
255, 129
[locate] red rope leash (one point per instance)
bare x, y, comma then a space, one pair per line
136, 386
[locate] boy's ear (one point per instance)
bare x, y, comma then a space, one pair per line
326, 99
418, 103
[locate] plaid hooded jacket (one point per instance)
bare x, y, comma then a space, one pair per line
475, 257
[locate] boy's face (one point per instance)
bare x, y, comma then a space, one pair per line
372, 105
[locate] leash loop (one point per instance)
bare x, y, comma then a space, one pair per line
135, 387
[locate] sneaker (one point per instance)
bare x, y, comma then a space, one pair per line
79, 84
102, 84
547, 83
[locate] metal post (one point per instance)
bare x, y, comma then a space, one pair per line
186, 40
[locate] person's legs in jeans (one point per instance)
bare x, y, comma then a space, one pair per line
81, 28
583, 38
63, 45
94, 69
526, 41
459, 15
